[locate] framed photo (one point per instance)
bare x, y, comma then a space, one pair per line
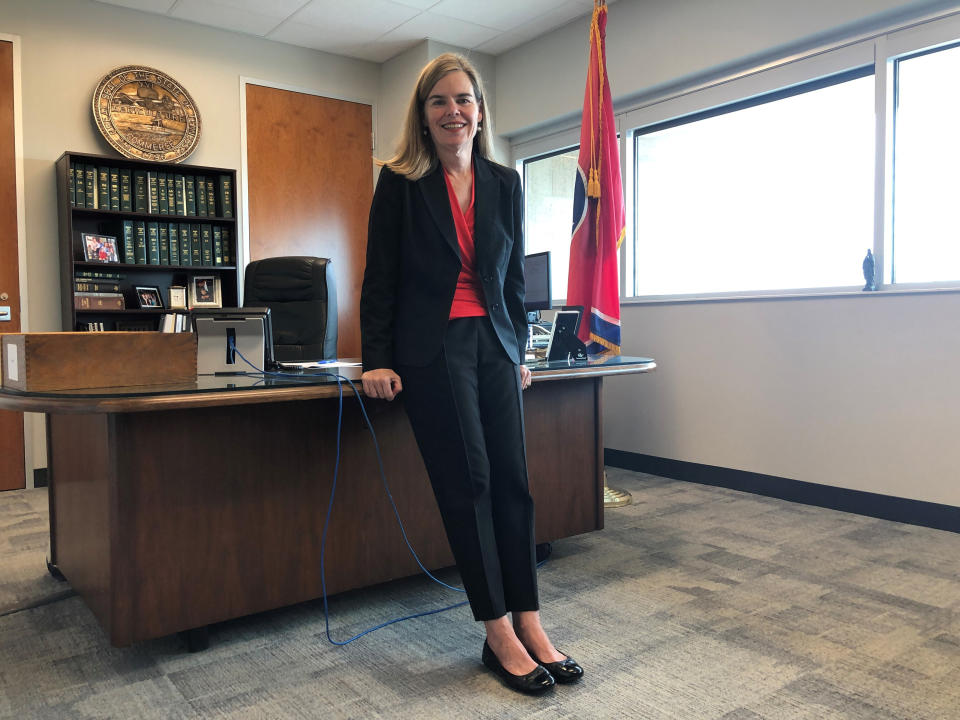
148, 297
204, 291
99, 248
178, 297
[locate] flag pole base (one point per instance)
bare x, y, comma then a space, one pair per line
614, 497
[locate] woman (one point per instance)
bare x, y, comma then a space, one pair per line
442, 320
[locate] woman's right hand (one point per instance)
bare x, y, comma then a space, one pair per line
381, 383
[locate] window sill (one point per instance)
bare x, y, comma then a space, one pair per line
793, 295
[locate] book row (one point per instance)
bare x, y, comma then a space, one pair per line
95, 187
98, 301
145, 242
169, 322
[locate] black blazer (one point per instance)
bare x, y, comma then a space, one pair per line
413, 261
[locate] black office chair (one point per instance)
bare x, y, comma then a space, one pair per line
302, 297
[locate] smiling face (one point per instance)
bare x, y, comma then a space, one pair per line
452, 112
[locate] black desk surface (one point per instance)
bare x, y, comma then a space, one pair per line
311, 378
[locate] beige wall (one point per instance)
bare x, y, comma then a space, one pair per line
68, 45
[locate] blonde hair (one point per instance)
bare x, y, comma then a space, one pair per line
416, 155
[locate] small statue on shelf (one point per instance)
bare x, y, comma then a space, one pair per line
869, 269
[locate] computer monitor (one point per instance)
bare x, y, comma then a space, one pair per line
536, 277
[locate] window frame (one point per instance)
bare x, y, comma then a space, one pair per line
774, 76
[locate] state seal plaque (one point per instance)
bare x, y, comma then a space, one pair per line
146, 114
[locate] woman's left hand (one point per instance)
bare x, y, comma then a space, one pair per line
526, 377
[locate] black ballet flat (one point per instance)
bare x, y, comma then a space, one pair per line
564, 671
535, 682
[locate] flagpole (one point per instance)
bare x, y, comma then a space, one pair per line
599, 219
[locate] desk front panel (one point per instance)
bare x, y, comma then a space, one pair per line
194, 516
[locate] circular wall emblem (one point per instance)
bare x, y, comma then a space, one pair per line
146, 114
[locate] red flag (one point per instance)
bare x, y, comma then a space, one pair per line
598, 214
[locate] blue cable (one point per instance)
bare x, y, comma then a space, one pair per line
333, 489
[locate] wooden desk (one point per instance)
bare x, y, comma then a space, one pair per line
175, 507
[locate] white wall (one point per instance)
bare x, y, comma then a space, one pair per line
656, 43
856, 392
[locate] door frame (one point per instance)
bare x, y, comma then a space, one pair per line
243, 218
28, 424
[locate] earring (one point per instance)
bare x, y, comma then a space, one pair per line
425, 131
479, 126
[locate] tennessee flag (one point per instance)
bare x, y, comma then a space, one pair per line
598, 213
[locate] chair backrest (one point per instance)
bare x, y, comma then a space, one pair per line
302, 297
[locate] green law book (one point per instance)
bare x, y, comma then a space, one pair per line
126, 191
225, 186
179, 198
227, 246
97, 275
174, 244
190, 194
211, 198
95, 286
141, 198
162, 206
164, 235
103, 188
206, 244
195, 245
129, 251
90, 185
171, 195
79, 186
185, 258
201, 196
114, 188
153, 195
71, 191
217, 245
153, 243
140, 241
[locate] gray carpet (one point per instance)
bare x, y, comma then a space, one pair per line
694, 603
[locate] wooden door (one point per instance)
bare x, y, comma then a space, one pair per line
12, 474
309, 187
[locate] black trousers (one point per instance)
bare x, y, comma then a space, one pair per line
466, 411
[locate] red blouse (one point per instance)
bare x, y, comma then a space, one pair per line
468, 299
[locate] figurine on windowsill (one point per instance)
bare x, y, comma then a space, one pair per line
869, 268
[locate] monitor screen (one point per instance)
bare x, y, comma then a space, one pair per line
536, 277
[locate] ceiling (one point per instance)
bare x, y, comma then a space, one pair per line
377, 30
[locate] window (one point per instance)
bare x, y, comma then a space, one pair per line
548, 184
773, 193
777, 178
926, 210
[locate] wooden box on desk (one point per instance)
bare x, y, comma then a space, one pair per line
35, 362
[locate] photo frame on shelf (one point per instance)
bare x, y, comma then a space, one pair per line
178, 297
204, 291
148, 297
99, 248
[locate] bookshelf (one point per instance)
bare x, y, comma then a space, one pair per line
144, 206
